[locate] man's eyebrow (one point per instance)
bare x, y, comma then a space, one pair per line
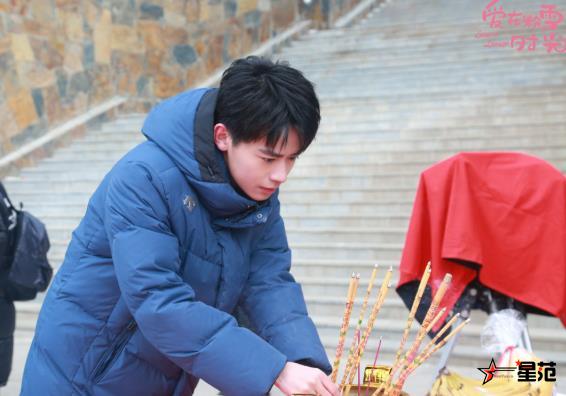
268, 151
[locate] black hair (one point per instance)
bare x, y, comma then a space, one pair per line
259, 98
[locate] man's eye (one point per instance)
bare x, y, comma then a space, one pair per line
268, 160
294, 158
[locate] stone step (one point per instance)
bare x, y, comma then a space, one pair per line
425, 53
318, 210
338, 286
295, 236
442, 68
346, 235
414, 38
424, 143
501, 97
370, 154
351, 251
337, 268
465, 132
294, 183
379, 217
435, 89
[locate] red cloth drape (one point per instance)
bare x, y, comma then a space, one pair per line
504, 211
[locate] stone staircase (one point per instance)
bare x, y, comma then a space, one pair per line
406, 87
409, 86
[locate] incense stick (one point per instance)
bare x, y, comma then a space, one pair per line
423, 357
426, 322
376, 308
352, 286
350, 359
416, 303
431, 313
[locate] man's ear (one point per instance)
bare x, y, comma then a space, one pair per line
222, 137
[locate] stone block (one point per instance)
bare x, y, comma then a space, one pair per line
185, 55
126, 85
42, 11
34, 75
174, 6
192, 11
73, 26
38, 101
283, 14
152, 34
154, 59
175, 19
62, 83
80, 82
165, 85
73, 57
21, 48
126, 38
37, 28
45, 53
5, 44
123, 12
143, 86
212, 10
8, 122
53, 109
91, 13
214, 58
245, 6
10, 80
88, 56
23, 108
68, 5
151, 11
102, 43
174, 36
252, 19
195, 74
230, 9
102, 86
128, 63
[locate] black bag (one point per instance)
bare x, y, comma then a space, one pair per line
8, 223
27, 268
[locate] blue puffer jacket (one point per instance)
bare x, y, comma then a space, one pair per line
165, 252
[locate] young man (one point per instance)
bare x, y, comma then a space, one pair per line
184, 229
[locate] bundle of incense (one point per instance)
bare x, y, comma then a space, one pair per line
411, 318
349, 376
425, 355
350, 359
352, 288
375, 310
431, 313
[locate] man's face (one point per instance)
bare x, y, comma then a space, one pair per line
257, 169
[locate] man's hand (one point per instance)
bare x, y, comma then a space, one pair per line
296, 378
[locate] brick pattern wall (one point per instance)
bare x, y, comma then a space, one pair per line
58, 58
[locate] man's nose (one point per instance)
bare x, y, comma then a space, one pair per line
279, 173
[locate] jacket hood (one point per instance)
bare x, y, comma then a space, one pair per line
182, 126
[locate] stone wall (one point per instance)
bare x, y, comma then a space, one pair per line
59, 58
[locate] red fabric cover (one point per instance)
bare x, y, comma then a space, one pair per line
504, 211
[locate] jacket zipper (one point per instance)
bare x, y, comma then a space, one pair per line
111, 355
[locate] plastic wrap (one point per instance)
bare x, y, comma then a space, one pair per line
503, 330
